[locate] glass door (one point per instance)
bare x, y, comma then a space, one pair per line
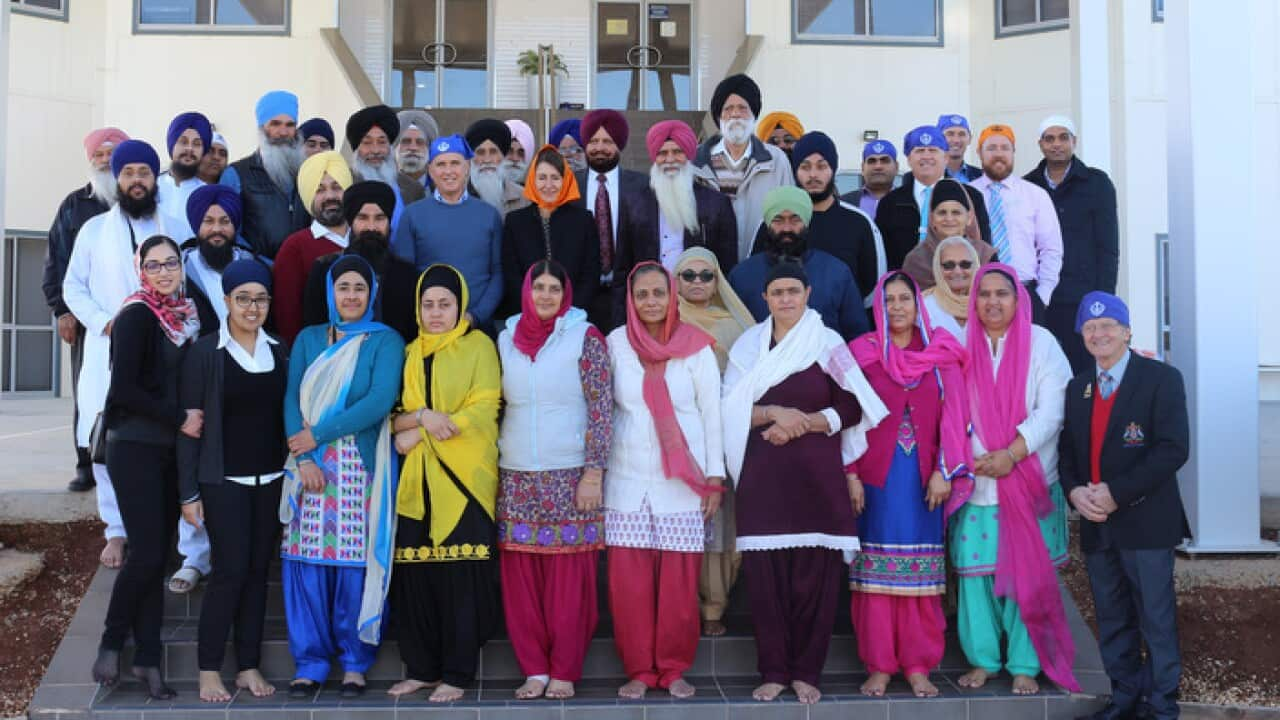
644, 55
439, 54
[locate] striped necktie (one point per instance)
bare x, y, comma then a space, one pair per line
999, 231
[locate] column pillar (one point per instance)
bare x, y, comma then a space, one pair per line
1091, 82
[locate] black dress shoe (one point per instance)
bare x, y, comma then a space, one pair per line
106, 669
154, 682
82, 483
352, 690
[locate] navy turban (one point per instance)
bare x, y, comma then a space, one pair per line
134, 151
571, 127
317, 126
207, 196
245, 270
189, 121
815, 142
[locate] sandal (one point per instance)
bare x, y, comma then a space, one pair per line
184, 581
302, 689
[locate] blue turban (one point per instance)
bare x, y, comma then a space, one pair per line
316, 126
1098, 304
450, 144
571, 127
924, 136
950, 121
134, 151
276, 102
207, 196
815, 142
879, 147
245, 270
190, 121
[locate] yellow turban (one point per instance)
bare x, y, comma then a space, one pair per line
329, 163
770, 122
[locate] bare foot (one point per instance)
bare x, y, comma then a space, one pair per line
560, 690
445, 692
713, 628
532, 688
211, 688
973, 679
921, 686
768, 692
807, 693
681, 689
1025, 685
253, 681
409, 687
633, 690
876, 684
113, 554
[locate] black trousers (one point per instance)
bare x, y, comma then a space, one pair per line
244, 535
1061, 321
145, 478
1134, 596
1038, 310
84, 463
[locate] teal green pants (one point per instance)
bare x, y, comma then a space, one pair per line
983, 619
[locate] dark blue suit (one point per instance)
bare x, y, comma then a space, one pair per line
1129, 556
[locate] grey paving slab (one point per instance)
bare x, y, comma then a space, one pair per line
929, 709
1007, 708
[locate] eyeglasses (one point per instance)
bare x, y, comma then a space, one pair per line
705, 276
244, 301
571, 151
952, 264
153, 267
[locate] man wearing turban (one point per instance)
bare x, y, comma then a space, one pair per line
372, 133
738, 163
781, 129
516, 166
566, 135
188, 139
316, 135
214, 161
215, 213
490, 142
322, 182
266, 178
417, 131
95, 198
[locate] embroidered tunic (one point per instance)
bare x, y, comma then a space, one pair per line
329, 527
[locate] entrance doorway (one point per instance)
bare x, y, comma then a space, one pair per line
644, 55
439, 54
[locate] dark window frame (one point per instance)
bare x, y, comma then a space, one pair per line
20, 7
211, 28
1037, 26
799, 38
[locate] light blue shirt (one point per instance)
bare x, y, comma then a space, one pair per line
1116, 372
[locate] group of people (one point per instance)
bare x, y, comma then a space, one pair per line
456, 363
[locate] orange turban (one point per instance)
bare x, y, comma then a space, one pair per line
997, 129
770, 122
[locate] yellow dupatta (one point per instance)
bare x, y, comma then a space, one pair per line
466, 385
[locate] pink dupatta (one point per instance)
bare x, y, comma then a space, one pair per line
676, 340
1024, 570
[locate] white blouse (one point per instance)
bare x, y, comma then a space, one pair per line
1047, 381
635, 459
943, 319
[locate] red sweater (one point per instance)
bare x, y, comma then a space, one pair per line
289, 277
1098, 420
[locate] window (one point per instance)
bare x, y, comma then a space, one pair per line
1157, 10
889, 22
29, 350
270, 17
1164, 300
1015, 17
56, 9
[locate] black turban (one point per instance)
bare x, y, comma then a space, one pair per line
948, 189
444, 276
369, 191
358, 125
786, 269
351, 263
740, 85
490, 129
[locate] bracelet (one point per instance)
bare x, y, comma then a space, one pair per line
418, 416
1011, 456
305, 461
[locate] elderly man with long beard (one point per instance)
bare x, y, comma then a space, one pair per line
417, 131
738, 163
95, 198
490, 142
266, 179
372, 132
675, 212
516, 166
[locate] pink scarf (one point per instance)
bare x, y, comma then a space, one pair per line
676, 340
1024, 571
531, 331
942, 355
176, 313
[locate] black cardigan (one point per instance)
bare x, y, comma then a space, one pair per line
142, 400
575, 244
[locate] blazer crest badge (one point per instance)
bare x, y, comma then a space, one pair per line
1133, 436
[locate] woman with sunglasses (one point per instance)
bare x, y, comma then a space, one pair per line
954, 266
143, 415
950, 214
709, 303
229, 477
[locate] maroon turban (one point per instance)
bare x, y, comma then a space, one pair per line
613, 123
675, 130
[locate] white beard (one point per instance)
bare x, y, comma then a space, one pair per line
411, 164
281, 161
514, 171
488, 182
386, 172
738, 130
103, 185
676, 200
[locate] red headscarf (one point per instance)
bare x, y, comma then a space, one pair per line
532, 331
675, 340
176, 313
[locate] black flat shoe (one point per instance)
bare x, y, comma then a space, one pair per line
352, 690
301, 689
82, 483
106, 669
154, 682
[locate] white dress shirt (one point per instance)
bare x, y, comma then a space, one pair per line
321, 232
261, 361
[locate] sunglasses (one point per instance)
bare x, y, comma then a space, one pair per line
705, 276
962, 264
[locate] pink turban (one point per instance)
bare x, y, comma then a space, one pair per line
521, 131
675, 130
95, 139
613, 123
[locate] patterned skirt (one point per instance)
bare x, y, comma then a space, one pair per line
975, 535
647, 530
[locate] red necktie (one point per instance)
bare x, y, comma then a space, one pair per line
604, 225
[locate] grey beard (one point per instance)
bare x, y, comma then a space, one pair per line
675, 196
488, 182
514, 172
103, 186
411, 164
280, 161
577, 163
738, 130
386, 172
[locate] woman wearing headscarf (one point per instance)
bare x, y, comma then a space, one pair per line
708, 302
954, 266
553, 227
556, 431
898, 578
445, 592
1009, 530
951, 214
143, 417
793, 395
338, 498
666, 469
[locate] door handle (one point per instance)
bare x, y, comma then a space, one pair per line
449, 53
430, 53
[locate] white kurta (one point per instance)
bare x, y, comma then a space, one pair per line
941, 318
1046, 399
171, 197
